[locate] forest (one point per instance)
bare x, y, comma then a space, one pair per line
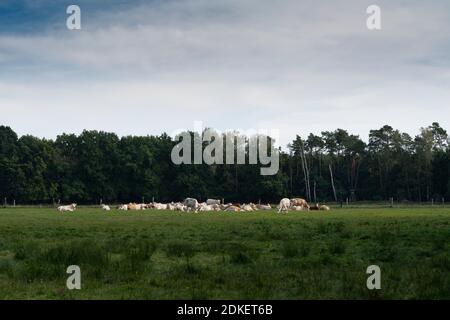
97, 166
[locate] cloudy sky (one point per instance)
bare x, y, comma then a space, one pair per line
299, 66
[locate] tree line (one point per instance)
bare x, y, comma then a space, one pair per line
99, 166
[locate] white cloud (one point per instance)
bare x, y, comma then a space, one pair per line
298, 66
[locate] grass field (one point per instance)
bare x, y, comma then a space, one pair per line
262, 255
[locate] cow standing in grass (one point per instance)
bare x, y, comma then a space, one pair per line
299, 202
284, 206
191, 204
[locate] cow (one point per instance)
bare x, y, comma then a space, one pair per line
247, 207
123, 207
105, 207
233, 209
224, 206
299, 202
191, 204
179, 207
205, 207
324, 208
133, 206
315, 207
159, 206
297, 208
212, 201
264, 207
285, 204
70, 207
171, 206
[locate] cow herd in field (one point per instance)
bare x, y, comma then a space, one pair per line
192, 205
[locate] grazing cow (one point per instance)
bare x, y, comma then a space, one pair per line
285, 203
70, 207
264, 207
299, 202
123, 207
105, 207
212, 201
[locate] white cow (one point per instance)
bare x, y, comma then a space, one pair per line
105, 207
159, 206
285, 203
123, 207
264, 207
180, 207
191, 204
212, 201
170, 206
205, 207
247, 207
70, 207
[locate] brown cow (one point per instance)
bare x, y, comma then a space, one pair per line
299, 202
233, 208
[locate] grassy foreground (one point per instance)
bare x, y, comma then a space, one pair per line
262, 255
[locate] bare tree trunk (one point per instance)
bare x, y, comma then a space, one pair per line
290, 173
315, 194
332, 182
305, 174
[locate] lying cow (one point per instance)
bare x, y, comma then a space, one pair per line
212, 201
105, 207
137, 206
205, 207
159, 206
70, 207
179, 207
264, 207
247, 207
233, 209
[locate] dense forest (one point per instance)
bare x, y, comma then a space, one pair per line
334, 166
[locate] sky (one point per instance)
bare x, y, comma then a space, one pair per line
296, 66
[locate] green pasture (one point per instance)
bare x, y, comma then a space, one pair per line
261, 255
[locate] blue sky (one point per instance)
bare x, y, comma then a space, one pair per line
147, 67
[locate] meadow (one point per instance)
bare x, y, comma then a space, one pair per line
261, 255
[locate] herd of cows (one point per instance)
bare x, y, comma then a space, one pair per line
192, 205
